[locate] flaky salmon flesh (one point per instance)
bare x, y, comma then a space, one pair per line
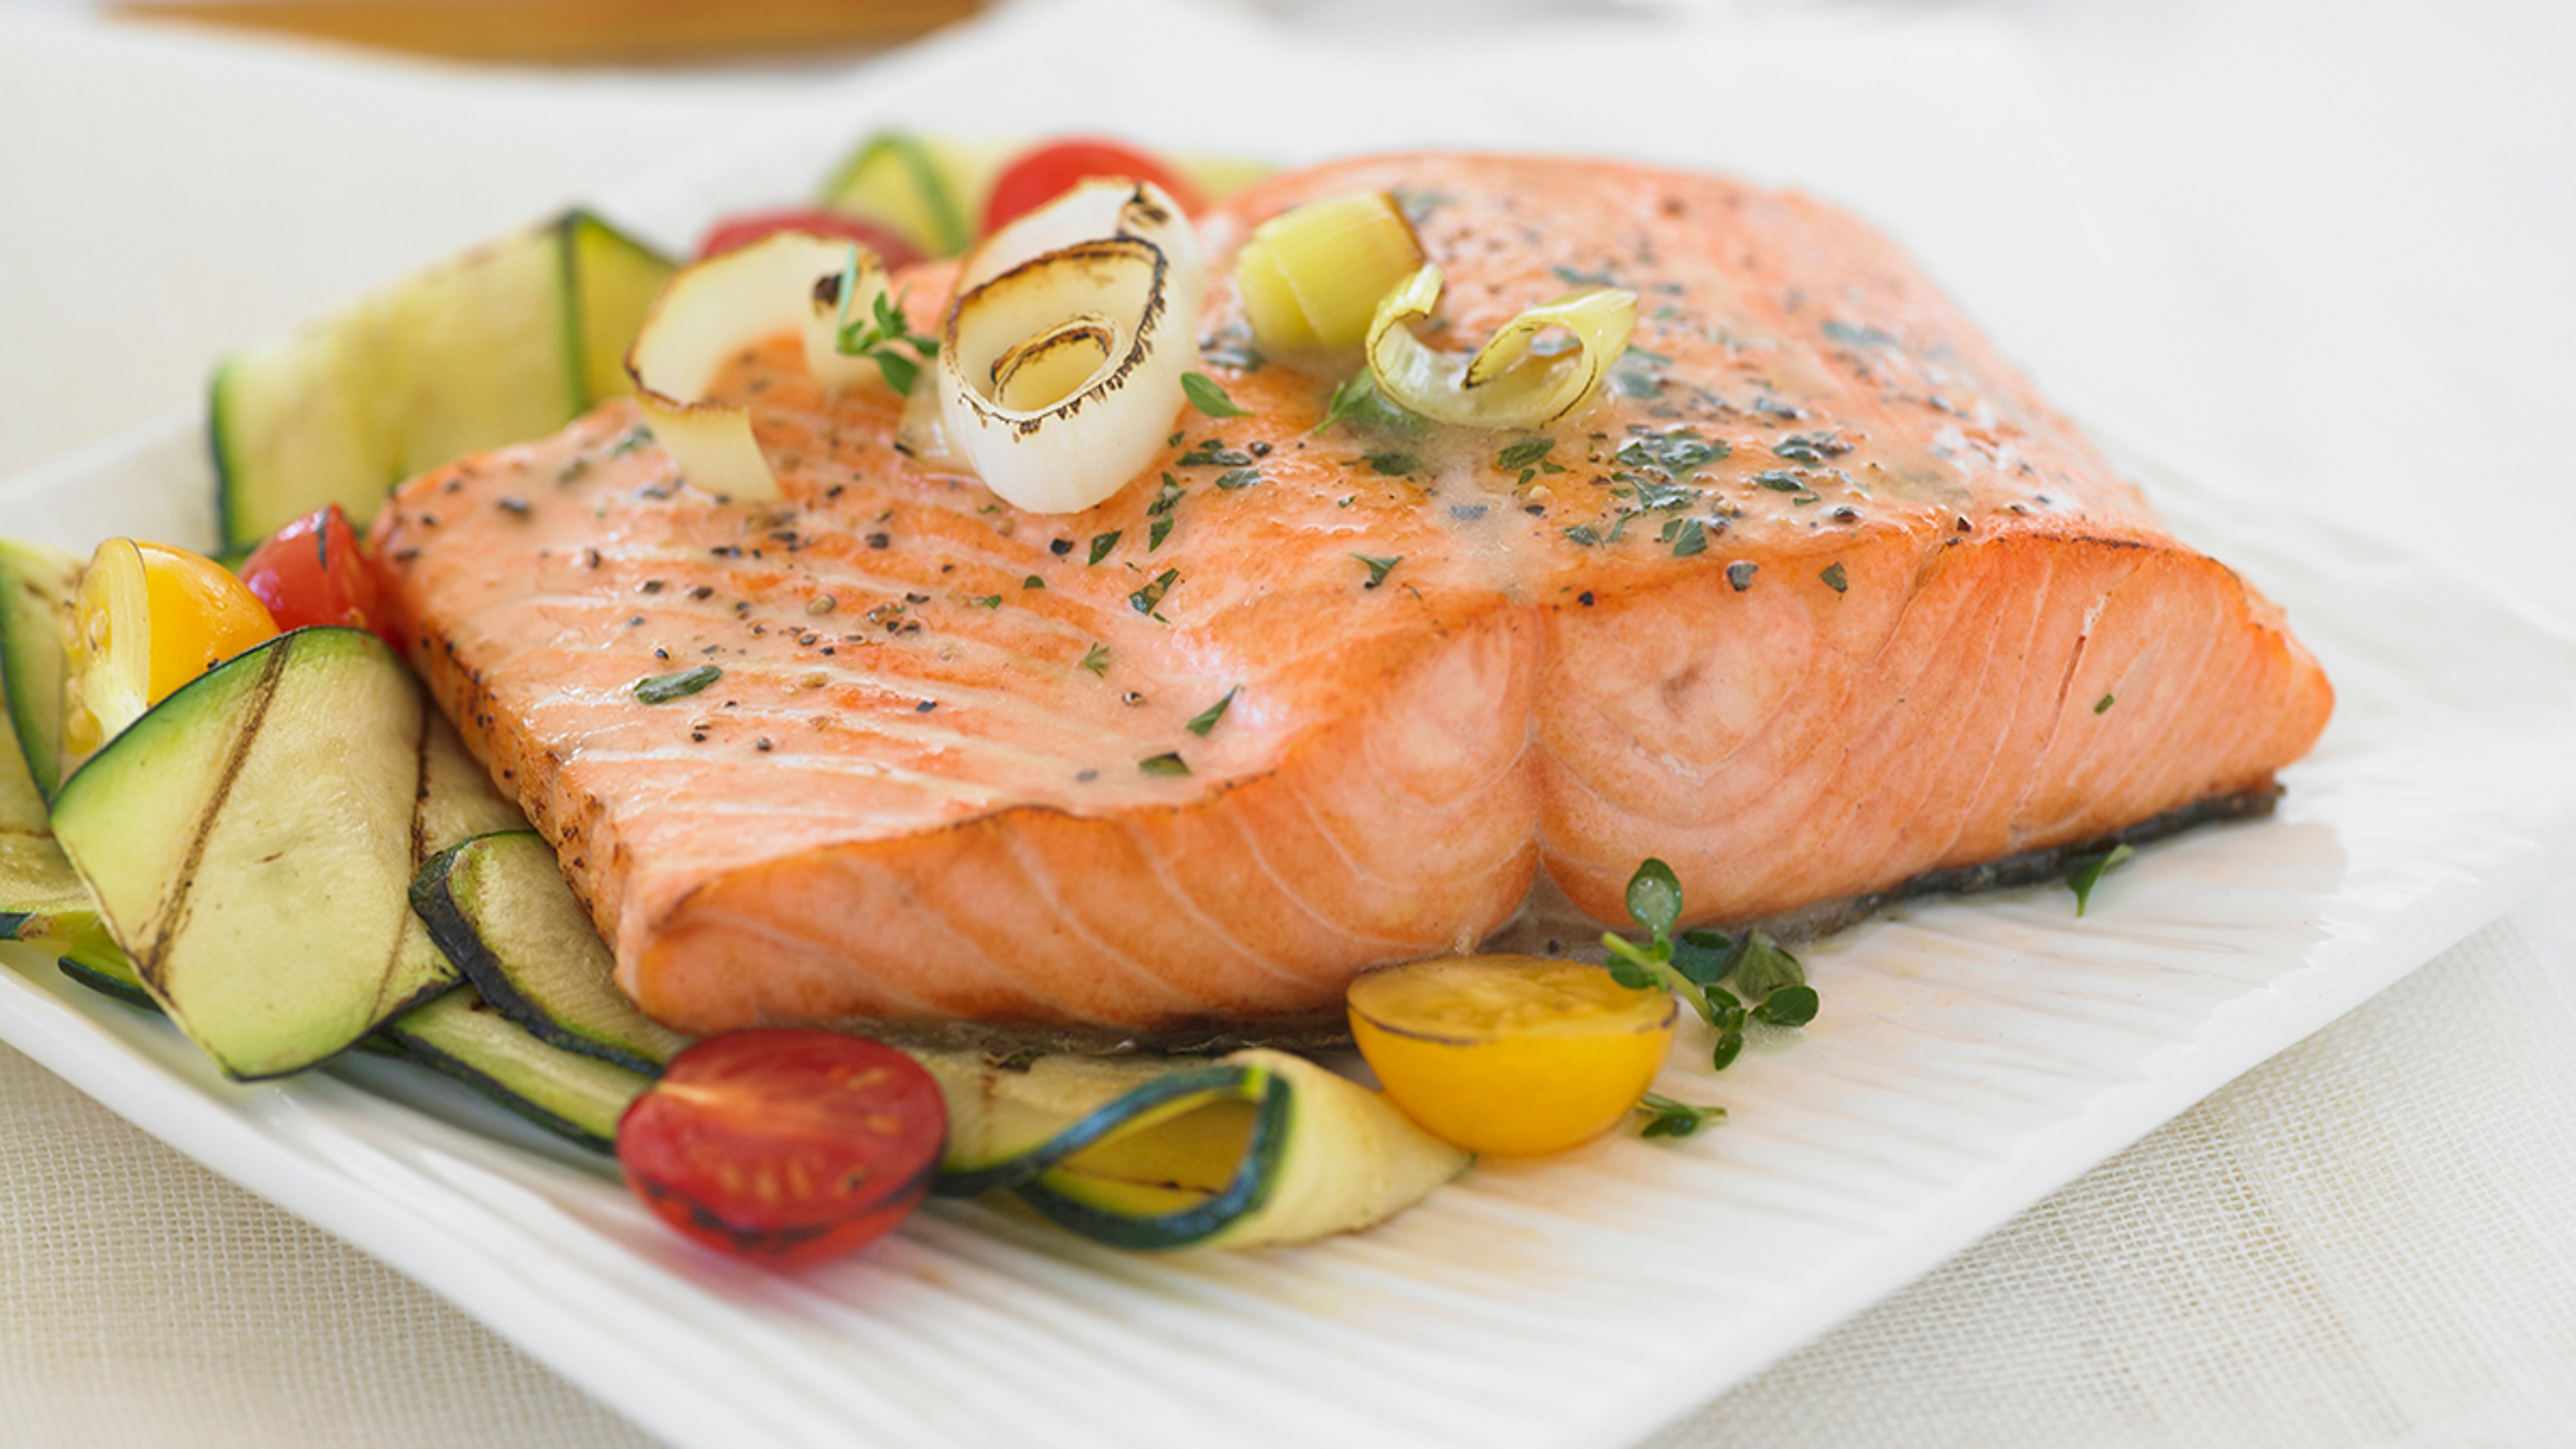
1817, 598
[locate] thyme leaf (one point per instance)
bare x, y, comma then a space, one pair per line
1209, 397
679, 684
1205, 720
2086, 871
1149, 598
1668, 1118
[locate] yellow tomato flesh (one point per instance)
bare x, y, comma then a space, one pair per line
148, 618
1511, 1055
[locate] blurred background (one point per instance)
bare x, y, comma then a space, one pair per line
2347, 223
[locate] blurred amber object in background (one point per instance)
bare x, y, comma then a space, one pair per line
605, 31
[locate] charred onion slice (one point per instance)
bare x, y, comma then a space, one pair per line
1061, 368
1509, 382
711, 312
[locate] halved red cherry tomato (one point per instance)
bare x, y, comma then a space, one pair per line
312, 571
1040, 176
785, 1145
891, 247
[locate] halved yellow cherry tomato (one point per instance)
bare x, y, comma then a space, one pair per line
1512, 1055
148, 618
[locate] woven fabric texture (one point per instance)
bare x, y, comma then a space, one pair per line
2258, 1273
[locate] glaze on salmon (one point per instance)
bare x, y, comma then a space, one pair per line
1818, 598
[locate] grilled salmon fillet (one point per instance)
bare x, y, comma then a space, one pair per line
1818, 598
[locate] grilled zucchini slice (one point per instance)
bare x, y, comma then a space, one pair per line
509, 341
499, 907
1255, 1148
249, 842
461, 1035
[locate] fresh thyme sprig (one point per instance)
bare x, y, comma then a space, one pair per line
878, 337
1694, 964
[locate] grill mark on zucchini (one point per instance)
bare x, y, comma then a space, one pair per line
419, 852
174, 913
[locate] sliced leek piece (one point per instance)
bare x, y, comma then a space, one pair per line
1311, 278
1507, 383
1259, 1147
788, 282
1060, 371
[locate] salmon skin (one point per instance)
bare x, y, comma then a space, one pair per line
1819, 598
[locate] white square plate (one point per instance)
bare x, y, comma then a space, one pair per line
1972, 1055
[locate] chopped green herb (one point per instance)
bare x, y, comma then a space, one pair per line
1234, 349
1096, 659
663, 688
877, 338
1417, 206
1573, 278
1781, 481
1655, 495
1810, 447
1668, 1118
1639, 373
1853, 336
1033, 582
1358, 401
1102, 543
1208, 397
1205, 720
1213, 453
1524, 454
1392, 465
1149, 598
985, 601
1584, 534
1378, 568
1169, 494
1238, 478
2086, 871
2102, 705
1676, 454
1164, 764
1834, 577
1691, 539
1155, 535
630, 440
